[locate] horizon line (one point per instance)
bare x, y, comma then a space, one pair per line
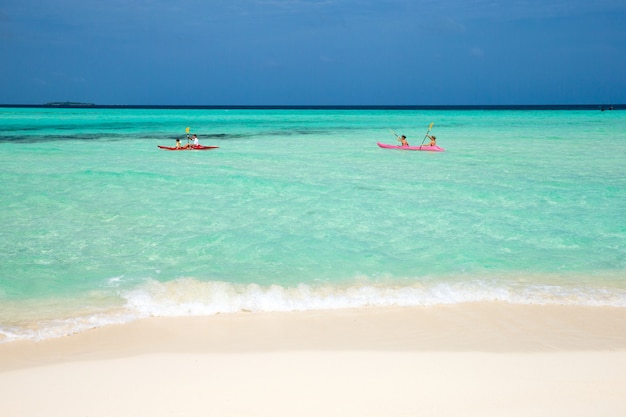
68, 104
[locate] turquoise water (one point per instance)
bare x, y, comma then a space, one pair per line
299, 209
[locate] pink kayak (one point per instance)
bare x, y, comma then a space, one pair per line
412, 148
191, 148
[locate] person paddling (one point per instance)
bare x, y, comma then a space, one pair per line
433, 140
403, 141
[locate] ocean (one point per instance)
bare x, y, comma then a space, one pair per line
299, 209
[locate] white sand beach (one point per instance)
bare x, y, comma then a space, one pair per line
486, 359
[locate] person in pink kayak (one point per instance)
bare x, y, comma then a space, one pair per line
403, 141
433, 140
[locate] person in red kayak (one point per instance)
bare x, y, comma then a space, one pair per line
195, 143
179, 146
402, 139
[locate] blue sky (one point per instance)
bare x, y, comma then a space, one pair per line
313, 52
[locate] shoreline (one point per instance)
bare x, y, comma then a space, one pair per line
472, 359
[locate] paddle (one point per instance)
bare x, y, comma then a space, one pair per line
187, 131
398, 137
425, 136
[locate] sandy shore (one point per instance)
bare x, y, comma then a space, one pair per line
465, 360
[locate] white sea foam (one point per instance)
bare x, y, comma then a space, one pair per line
192, 297
59, 327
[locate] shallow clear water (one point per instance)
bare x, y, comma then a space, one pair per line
299, 209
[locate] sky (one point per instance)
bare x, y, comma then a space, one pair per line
313, 52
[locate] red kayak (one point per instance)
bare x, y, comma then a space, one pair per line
434, 148
191, 148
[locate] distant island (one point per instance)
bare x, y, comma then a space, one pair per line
68, 104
